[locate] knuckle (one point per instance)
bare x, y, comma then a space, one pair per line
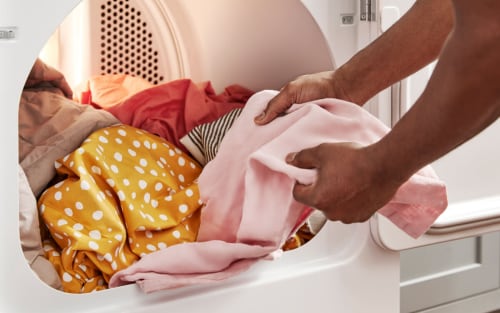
319, 199
287, 89
299, 157
321, 146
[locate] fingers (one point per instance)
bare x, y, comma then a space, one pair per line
304, 193
306, 158
277, 106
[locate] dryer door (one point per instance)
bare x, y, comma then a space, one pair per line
471, 172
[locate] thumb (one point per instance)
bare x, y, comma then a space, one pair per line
303, 193
276, 106
306, 158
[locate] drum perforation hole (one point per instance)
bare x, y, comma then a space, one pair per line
126, 43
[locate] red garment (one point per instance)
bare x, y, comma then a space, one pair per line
171, 110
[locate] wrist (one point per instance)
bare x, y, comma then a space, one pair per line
388, 169
349, 85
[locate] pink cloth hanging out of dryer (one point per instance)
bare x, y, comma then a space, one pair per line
247, 189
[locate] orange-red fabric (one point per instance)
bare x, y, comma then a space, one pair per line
104, 91
172, 109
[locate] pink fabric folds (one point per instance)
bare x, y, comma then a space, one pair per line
247, 189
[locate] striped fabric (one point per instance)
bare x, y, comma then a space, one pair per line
203, 141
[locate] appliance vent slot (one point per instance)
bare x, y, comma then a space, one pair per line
126, 43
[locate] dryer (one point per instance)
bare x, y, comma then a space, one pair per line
345, 268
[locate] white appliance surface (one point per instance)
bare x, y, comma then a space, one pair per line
471, 172
343, 269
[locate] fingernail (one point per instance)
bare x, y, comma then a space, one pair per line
260, 117
290, 157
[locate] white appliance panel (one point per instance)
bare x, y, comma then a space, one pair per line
342, 265
471, 172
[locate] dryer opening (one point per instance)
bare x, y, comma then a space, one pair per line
156, 87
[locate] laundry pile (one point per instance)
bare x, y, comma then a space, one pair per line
175, 185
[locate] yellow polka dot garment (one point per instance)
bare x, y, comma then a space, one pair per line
126, 193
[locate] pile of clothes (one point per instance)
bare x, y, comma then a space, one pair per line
173, 185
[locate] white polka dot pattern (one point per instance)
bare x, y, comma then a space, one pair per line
121, 199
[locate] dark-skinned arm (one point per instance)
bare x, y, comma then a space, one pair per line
412, 42
461, 99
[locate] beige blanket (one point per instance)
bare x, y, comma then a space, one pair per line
50, 126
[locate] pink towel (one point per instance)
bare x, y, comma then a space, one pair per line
247, 189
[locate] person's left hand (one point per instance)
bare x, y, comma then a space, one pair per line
43, 73
350, 186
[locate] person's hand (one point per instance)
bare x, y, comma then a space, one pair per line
351, 183
43, 73
304, 88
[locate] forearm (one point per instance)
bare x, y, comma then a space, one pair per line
410, 44
461, 99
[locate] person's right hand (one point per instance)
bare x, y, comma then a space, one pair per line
303, 89
353, 181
